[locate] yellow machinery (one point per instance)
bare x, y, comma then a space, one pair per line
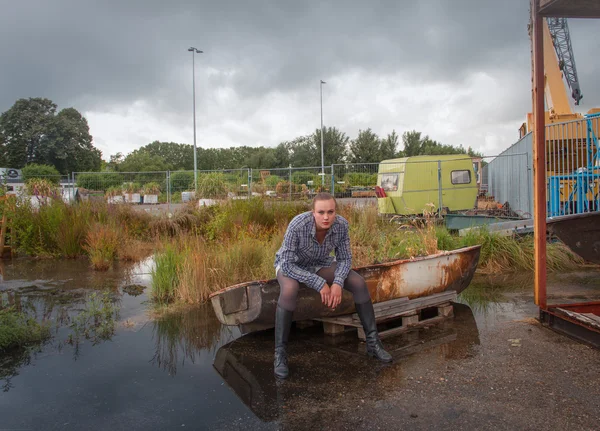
571, 144
557, 101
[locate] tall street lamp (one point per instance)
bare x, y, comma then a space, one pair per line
194, 52
322, 154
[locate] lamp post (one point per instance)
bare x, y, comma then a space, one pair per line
194, 52
322, 154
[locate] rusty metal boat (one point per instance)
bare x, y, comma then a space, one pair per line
252, 304
579, 232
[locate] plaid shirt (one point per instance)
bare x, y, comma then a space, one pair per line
301, 254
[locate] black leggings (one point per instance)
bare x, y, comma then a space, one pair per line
289, 287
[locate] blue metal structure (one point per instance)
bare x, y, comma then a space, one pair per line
586, 179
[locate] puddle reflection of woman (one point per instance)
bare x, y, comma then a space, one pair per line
304, 257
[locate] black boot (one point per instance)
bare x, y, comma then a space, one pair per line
367, 318
283, 323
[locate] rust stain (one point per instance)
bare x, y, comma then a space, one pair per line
410, 278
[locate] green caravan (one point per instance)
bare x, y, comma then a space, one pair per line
411, 185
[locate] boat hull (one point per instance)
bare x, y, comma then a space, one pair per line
254, 303
579, 232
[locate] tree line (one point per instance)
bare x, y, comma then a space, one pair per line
32, 132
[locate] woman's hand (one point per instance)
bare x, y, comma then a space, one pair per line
331, 296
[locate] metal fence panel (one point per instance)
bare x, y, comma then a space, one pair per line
117, 187
290, 183
507, 179
356, 180
212, 184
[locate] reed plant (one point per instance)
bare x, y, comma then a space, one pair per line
71, 234
66, 230
165, 274
102, 242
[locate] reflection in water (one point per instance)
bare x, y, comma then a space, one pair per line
487, 291
184, 334
246, 365
96, 322
60, 294
10, 364
71, 316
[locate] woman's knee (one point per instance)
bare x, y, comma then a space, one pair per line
358, 286
288, 292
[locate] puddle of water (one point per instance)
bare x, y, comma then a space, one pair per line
185, 369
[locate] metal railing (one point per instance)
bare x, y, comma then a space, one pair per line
573, 166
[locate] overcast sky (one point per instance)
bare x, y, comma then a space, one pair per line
456, 70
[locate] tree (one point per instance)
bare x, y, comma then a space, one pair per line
176, 156
415, 145
115, 162
365, 148
303, 152
282, 156
24, 129
412, 143
142, 161
263, 158
389, 146
335, 145
32, 132
69, 145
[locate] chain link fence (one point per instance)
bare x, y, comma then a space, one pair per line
290, 183
499, 185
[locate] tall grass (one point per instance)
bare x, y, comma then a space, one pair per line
58, 229
508, 253
102, 243
207, 266
70, 237
165, 274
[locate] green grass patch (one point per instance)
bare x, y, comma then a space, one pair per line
17, 329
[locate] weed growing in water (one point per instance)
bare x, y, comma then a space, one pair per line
97, 320
18, 329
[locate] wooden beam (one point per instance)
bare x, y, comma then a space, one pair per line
570, 8
539, 158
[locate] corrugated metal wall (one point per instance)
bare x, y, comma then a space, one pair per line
509, 177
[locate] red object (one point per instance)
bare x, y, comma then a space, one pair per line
380, 192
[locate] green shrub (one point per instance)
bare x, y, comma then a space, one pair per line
181, 181
99, 181
212, 185
33, 171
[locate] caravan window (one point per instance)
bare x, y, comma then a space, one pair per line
461, 177
389, 182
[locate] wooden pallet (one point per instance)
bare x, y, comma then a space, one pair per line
409, 313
